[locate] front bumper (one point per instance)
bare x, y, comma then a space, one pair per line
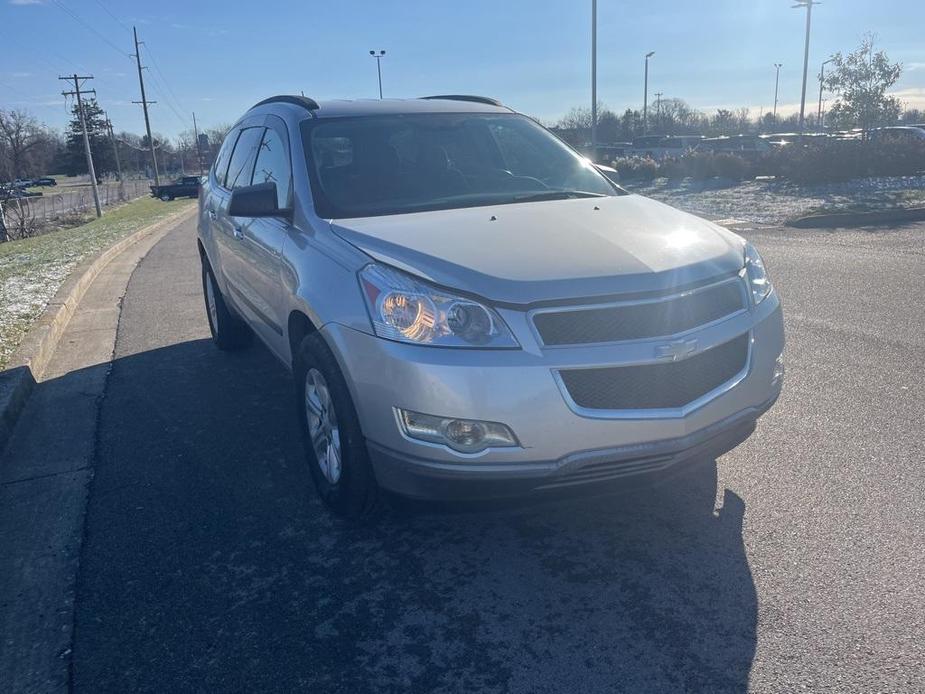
561, 445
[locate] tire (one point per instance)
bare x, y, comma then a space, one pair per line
229, 333
351, 492
166, 197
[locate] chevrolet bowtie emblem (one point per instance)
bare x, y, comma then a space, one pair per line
676, 350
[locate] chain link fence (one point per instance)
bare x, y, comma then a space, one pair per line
31, 216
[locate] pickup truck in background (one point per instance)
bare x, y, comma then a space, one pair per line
183, 187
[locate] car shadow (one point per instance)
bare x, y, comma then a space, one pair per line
209, 564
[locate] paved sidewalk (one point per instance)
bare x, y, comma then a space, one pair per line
44, 475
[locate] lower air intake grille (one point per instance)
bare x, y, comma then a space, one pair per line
657, 386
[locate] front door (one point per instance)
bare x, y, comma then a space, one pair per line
261, 239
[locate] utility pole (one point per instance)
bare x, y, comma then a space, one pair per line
144, 104
808, 4
115, 149
777, 67
594, 80
819, 125
378, 55
78, 83
645, 96
198, 146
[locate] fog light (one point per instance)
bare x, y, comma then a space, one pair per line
778, 368
463, 435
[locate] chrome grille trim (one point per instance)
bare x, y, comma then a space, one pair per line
735, 281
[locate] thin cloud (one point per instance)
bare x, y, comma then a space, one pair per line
27, 2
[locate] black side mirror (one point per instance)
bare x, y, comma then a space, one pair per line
255, 201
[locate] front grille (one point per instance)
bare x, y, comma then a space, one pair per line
639, 321
656, 386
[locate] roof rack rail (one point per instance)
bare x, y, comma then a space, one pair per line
466, 97
308, 104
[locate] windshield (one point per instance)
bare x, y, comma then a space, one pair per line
377, 165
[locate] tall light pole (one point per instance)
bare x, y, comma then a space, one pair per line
808, 4
821, 79
777, 67
594, 80
378, 55
645, 95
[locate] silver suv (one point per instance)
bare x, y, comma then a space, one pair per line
470, 308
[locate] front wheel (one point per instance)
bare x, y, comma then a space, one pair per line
334, 445
166, 197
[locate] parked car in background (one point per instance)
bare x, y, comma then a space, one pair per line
22, 183
606, 152
783, 139
44, 181
183, 187
471, 308
898, 133
747, 146
662, 146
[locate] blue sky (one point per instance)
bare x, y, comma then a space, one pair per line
218, 58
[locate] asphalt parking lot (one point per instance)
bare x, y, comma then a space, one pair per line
793, 563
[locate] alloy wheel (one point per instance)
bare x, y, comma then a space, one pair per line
322, 425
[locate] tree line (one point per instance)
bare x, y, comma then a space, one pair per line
29, 149
858, 80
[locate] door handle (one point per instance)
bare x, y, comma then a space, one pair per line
211, 214
238, 233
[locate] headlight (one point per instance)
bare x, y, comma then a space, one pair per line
403, 308
758, 280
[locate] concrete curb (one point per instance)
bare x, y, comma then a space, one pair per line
858, 219
31, 358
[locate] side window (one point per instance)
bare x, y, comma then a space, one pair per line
242, 159
221, 161
273, 166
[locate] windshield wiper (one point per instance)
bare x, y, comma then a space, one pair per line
557, 195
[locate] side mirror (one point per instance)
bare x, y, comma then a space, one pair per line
255, 201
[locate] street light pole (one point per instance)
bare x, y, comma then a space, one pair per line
808, 4
645, 95
777, 67
821, 79
378, 56
594, 80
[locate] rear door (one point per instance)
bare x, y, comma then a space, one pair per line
229, 231
262, 239
211, 203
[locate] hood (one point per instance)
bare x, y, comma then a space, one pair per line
559, 249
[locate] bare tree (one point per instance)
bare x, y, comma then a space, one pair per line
25, 146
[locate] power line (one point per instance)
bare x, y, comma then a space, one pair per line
170, 95
39, 58
89, 27
159, 86
109, 12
